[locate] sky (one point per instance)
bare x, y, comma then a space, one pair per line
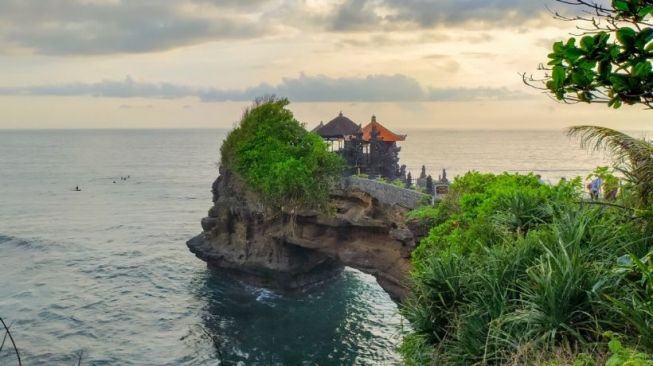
415, 64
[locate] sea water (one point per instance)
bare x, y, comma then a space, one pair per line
105, 272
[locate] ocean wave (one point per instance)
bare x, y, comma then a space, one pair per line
266, 296
12, 241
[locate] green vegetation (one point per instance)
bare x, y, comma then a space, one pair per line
513, 273
518, 272
610, 63
622, 356
278, 158
633, 158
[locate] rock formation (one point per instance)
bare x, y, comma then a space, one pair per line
296, 251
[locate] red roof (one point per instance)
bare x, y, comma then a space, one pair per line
384, 134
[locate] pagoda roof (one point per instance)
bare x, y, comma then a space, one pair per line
384, 133
338, 127
318, 127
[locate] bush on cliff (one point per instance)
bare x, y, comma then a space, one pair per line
517, 272
278, 158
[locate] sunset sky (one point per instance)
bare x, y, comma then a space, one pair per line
197, 63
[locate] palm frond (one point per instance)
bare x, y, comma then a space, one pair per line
618, 144
633, 157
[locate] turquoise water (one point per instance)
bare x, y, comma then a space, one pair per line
106, 271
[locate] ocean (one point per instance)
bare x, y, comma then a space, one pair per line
105, 272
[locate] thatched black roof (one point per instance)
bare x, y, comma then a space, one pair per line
338, 127
318, 127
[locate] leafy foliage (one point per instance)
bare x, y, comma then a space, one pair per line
277, 157
513, 265
624, 356
633, 157
611, 62
486, 207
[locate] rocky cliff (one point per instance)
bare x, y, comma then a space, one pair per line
366, 231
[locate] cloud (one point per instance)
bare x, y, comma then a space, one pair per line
389, 39
127, 88
92, 27
59, 27
472, 94
373, 88
436, 56
354, 15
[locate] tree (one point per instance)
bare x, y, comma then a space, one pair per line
609, 61
278, 158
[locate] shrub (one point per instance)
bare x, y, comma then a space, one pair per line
428, 215
514, 268
277, 157
483, 208
556, 300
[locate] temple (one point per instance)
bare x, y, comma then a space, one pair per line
370, 150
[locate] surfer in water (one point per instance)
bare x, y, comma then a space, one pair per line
77, 189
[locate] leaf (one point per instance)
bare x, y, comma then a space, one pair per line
614, 52
587, 43
620, 5
580, 78
558, 47
644, 37
619, 82
558, 76
645, 11
626, 36
642, 69
571, 42
605, 68
615, 345
601, 39
574, 53
615, 102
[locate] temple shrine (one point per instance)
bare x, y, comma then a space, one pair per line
370, 150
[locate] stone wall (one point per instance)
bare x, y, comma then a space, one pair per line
387, 193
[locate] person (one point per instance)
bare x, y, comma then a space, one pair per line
611, 195
77, 188
595, 188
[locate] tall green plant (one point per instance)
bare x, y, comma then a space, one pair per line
636, 307
277, 157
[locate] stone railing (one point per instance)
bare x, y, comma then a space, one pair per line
387, 193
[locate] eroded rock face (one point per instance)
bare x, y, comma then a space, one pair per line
257, 245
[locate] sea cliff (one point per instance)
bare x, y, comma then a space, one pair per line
295, 251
